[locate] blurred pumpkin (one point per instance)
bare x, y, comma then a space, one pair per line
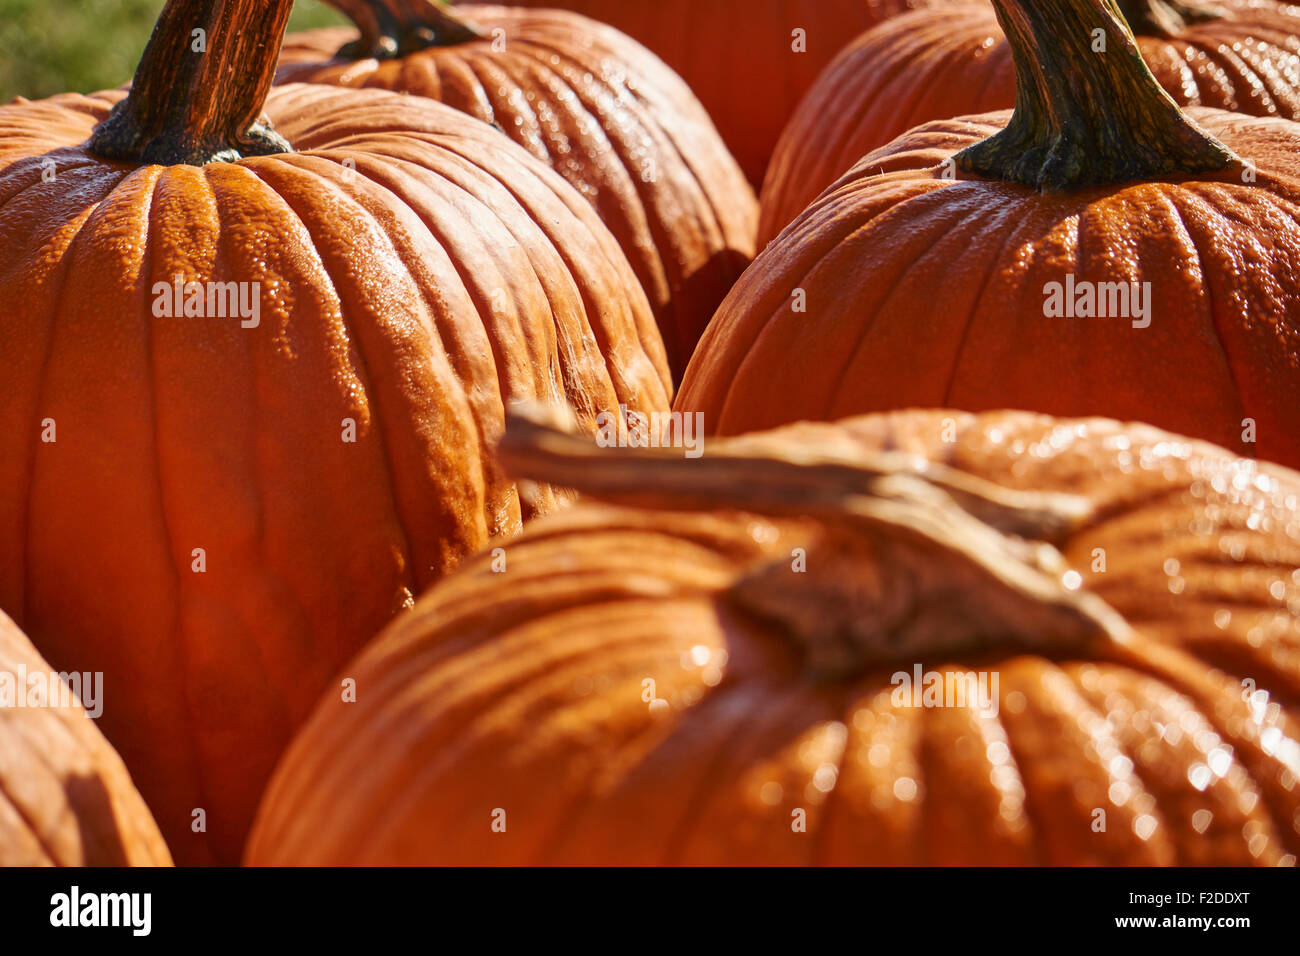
1094, 253
749, 61
954, 61
216, 510
607, 114
65, 796
717, 667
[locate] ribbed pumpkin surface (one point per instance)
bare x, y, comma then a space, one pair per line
417, 273
954, 61
635, 687
607, 115
738, 55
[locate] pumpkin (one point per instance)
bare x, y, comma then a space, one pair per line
65, 796
601, 109
217, 510
937, 64
749, 61
1095, 253
761, 657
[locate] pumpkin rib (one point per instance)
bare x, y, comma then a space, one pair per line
977, 213
470, 717
1236, 742
179, 636
1012, 235
827, 243
350, 328
1217, 323
55, 308
441, 330
655, 226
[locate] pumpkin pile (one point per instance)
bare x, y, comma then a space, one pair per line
427, 449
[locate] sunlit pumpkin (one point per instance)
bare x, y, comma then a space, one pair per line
607, 114
217, 509
1094, 253
755, 658
1242, 56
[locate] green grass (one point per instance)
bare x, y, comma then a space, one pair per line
56, 46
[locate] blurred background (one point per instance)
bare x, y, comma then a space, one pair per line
58, 46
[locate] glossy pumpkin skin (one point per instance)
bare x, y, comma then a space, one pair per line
66, 798
525, 692
607, 114
417, 273
737, 55
954, 61
926, 291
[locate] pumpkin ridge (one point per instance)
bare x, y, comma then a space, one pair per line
1217, 323
55, 308
740, 731
829, 243
1246, 748
414, 572
1010, 235
651, 263
178, 636
937, 198
469, 713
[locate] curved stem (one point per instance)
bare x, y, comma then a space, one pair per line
912, 557
395, 28
1088, 111
1166, 17
200, 86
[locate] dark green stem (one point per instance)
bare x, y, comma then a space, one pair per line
1088, 111
199, 90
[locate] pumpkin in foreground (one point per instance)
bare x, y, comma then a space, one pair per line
953, 61
1094, 253
757, 657
66, 799
252, 377
749, 61
602, 110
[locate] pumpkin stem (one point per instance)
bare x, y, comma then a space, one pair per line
199, 89
1166, 17
909, 558
1088, 111
395, 28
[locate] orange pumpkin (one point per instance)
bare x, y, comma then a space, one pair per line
937, 64
1095, 253
607, 114
749, 61
217, 509
65, 796
758, 657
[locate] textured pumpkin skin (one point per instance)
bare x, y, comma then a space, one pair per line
608, 116
65, 796
954, 61
737, 56
523, 691
416, 296
925, 292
